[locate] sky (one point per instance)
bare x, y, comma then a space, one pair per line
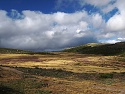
49, 25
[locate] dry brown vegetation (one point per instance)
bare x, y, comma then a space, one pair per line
61, 73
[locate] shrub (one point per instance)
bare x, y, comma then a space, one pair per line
106, 75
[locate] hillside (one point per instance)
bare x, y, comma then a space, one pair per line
103, 49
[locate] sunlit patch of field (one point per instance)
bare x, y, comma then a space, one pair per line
76, 63
63, 73
44, 64
2, 56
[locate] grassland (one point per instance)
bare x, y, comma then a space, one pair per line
61, 73
24, 72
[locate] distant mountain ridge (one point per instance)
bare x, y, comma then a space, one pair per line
99, 48
13, 51
18, 51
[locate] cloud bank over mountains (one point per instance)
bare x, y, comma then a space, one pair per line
34, 30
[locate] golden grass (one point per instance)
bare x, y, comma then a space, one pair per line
76, 63
11, 55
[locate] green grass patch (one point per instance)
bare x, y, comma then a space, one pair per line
106, 75
24, 86
103, 49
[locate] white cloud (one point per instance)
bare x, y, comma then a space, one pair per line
116, 23
120, 39
97, 20
38, 31
83, 25
69, 18
120, 4
108, 29
115, 26
112, 41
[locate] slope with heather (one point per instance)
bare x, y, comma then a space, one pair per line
102, 49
